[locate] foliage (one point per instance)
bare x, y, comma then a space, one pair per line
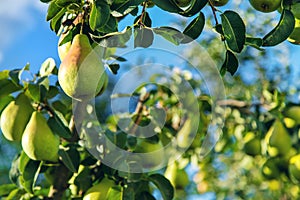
231, 170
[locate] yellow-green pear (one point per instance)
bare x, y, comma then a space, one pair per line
152, 154
295, 35
278, 139
15, 117
177, 177
81, 74
270, 169
294, 167
265, 5
64, 48
38, 141
99, 191
187, 133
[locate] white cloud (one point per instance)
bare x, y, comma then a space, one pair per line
16, 18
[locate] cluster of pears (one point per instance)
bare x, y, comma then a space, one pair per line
81, 74
19, 122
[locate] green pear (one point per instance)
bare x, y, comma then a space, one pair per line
99, 191
294, 38
252, 145
293, 112
152, 153
294, 167
187, 133
220, 2
38, 141
278, 139
15, 117
265, 5
177, 177
64, 48
270, 169
81, 74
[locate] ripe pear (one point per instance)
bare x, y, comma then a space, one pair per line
99, 191
152, 154
15, 117
187, 133
81, 74
220, 2
293, 112
64, 48
278, 139
265, 5
294, 167
294, 38
252, 145
38, 141
178, 177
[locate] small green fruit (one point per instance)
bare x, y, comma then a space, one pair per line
183, 3
38, 141
220, 2
295, 35
278, 139
178, 177
81, 74
270, 169
152, 153
293, 112
99, 191
252, 145
294, 167
187, 133
265, 5
15, 117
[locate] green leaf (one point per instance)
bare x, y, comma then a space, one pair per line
231, 63
53, 10
234, 30
114, 193
171, 34
164, 186
194, 8
4, 74
14, 171
6, 189
110, 26
282, 31
115, 39
55, 23
70, 157
143, 37
64, 3
15, 194
114, 68
100, 14
145, 196
122, 8
4, 102
128, 193
52, 92
254, 42
45, 1
8, 87
168, 5
29, 172
33, 90
59, 125
47, 67
194, 29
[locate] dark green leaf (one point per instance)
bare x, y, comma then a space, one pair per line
194, 8
114, 68
143, 37
4, 102
45, 1
34, 92
70, 158
52, 92
100, 14
84, 179
219, 29
167, 5
145, 196
110, 26
53, 10
164, 186
55, 23
59, 126
282, 31
234, 30
8, 87
194, 29
118, 58
6, 189
116, 39
15, 76
14, 171
64, 3
114, 193
29, 172
128, 193
254, 42
122, 8
170, 34
231, 63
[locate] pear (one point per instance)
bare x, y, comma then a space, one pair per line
81, 74
99, 191
38, 141
278, 139
265, 5
177, 177
294, 38
64, 48
293, 112
252, 145
187, 133
15, 117
294, 167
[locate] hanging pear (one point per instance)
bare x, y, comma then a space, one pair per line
187, 133
100, 190
81, 73
38, 141
15, 117
278, 139
177, 177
